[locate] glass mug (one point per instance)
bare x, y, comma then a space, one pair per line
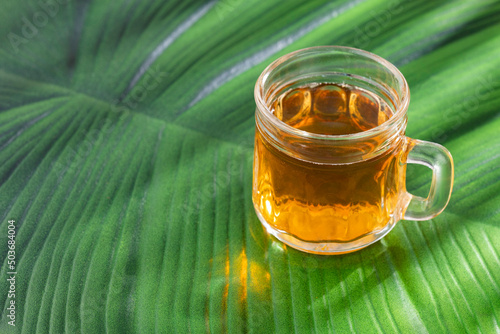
331, 152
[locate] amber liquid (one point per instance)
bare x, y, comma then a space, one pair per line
327, 202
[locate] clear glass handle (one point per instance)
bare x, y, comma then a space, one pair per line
439, 159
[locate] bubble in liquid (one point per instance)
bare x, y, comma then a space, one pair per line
330, 101
367, 111
294, 107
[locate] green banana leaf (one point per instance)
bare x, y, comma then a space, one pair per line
126, 142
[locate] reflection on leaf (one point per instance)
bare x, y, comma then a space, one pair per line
126, 137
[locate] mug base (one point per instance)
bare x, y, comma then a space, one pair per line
326, 248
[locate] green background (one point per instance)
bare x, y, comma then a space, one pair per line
126, 139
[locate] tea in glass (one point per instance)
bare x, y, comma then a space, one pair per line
332, 202
331, 152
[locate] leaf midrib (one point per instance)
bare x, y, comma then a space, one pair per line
123, 109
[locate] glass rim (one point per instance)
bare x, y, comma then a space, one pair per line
400, 111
